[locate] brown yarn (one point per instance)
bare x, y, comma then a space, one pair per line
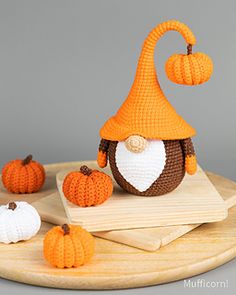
66, 229
104, 145
188, 147
12, 206
27, 160
189, 49
86, 170
170, 178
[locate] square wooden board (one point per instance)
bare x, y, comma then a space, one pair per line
195, 201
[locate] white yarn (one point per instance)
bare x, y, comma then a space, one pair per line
141, 169
20, 224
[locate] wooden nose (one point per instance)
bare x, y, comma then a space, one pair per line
136, 143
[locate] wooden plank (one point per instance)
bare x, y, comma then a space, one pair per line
194, 201
150, 239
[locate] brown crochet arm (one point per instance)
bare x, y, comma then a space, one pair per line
189, 155
102, 153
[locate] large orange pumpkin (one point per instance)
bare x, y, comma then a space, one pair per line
87, 187
68, 246
189, 69
23, 176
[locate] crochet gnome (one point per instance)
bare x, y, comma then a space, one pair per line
148, 144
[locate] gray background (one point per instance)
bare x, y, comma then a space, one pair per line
66, 66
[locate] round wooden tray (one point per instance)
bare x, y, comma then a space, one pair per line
117, 266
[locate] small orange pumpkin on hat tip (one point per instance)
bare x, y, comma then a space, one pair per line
23, 176
68, 246
189, 69
87, 187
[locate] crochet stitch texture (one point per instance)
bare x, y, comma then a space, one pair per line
19, 221
146, 111
68, 246
23, 176
190, 69
87, 187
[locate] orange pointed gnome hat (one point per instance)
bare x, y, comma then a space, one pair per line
146, 111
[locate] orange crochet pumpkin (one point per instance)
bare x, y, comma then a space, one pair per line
87, 187
23, 176
189, 69
68, 246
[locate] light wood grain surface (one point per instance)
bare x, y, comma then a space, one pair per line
52, 210
194, 201
118, 266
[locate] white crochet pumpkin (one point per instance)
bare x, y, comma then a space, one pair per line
18, 221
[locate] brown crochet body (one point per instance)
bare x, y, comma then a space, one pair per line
170, 177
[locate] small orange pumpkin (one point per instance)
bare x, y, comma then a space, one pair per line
23, 176
87, 187
189, 69
68, 246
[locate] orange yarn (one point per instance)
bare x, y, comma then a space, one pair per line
146, 111
87, 187
102, 159
68, 246
191, 164
189, 69
23, 176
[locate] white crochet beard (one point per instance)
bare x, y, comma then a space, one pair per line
141, 169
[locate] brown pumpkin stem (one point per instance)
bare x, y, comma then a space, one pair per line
12, 206
189, 49
85, 170
66, 229
27, 160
